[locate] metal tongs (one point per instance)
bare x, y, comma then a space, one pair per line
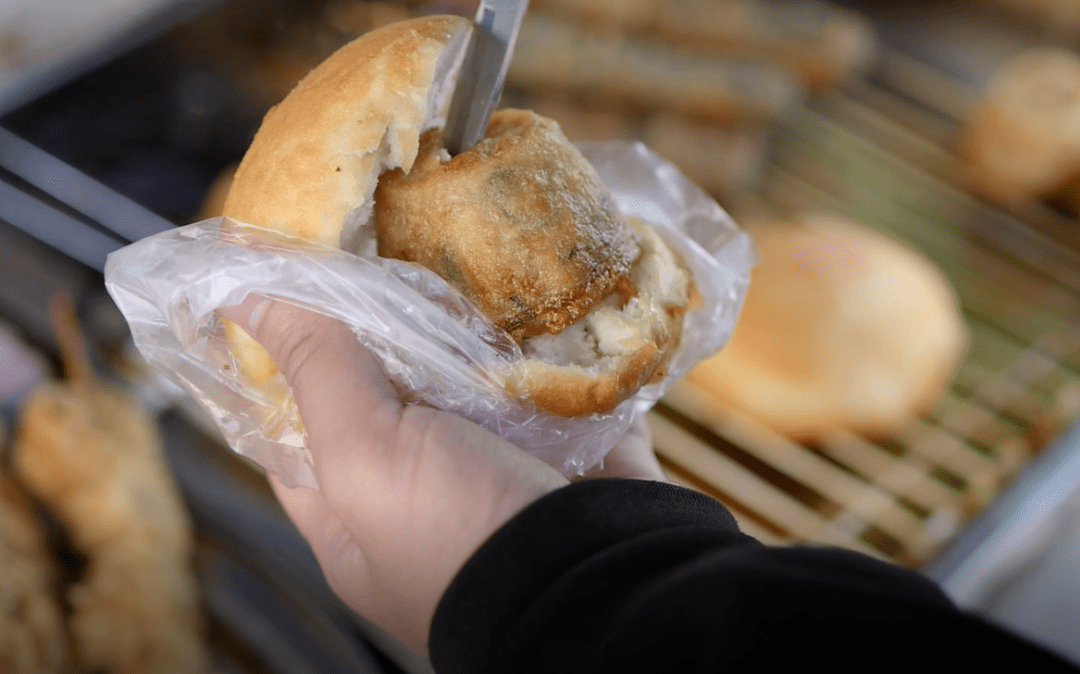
480, 81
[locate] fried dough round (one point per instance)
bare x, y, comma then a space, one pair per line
520, 224
843, 327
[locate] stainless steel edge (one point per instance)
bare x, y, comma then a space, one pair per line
483, 72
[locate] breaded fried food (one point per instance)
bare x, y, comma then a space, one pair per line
32, 635
93, 456
521, 224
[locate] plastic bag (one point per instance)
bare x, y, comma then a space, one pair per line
436, 347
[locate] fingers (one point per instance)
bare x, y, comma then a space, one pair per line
633, 456
340, 388
314, 518
334, 547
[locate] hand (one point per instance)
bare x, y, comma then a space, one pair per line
408, 493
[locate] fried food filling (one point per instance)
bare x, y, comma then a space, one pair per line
520, 224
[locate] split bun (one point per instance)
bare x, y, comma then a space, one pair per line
520, 224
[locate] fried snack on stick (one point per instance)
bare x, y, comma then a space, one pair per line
626, 14
1057, 17
722, 159
581, 123
823, 44
556, 54
92, 455
32, 635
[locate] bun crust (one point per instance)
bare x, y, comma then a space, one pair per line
312, 167
520, 224
1022, 140
318, 154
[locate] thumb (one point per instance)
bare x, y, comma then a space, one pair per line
331, 374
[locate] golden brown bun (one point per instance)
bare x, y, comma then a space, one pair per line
842, 327
534, 240
319, 153
520, 224
1022, 139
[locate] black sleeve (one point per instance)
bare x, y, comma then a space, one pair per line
635, 576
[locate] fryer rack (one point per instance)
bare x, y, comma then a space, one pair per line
878, 151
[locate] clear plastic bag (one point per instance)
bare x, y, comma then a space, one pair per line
435, 346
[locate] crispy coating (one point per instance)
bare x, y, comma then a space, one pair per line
92, 455
620, 346
32, 635
520, 224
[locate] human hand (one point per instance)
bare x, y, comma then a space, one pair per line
407, 493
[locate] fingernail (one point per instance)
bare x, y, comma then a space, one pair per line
256, 315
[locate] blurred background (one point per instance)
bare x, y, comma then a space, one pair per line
906, 381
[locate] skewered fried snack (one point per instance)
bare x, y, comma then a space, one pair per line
32, 635
555, 54
92, 455
580, 123
1059, 17
626, 14
826, 45
722, 160
823, 44
520, 224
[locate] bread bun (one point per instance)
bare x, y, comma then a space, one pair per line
520, 224
213, 203
843, 327
318, 154
1022, 140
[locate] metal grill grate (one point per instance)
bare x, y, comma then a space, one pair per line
879, 152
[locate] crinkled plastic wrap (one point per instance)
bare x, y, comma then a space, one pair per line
436, 347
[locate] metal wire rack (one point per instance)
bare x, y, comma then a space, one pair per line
879, 151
